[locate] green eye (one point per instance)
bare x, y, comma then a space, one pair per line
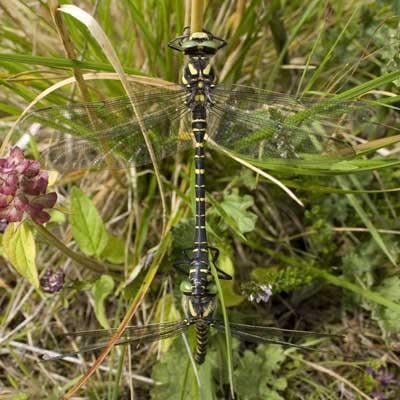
210, 44
185, 286
212, 288
189, 44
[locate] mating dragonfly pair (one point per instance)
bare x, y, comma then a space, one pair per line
257, 125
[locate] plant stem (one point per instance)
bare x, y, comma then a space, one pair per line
196, 23
80, 259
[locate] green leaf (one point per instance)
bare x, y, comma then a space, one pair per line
114, 252
324, 167
225, 216
236, 206
87, 226
101, 289
230, 296
56, 216
166, 311
58, 62
248, 178
20, 250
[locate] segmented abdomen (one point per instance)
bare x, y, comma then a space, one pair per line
202, 341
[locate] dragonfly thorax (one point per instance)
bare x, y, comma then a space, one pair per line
199, 296
199, 307
199, 78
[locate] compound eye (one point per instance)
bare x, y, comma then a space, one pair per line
185, 287
212, 288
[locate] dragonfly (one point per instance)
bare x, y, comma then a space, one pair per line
256, 124
150, 333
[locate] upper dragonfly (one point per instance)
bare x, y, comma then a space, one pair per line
253, 123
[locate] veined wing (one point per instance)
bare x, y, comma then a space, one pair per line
266, 334
267, 125
108, 134
267, 331
131, 335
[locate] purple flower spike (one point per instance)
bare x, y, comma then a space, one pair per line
23, 189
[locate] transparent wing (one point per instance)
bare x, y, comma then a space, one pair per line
265, 334
267, 125
108, 134
267, 331
131, 335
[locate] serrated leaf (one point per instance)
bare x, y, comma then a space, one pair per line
248, 178
101, 289
114, 252
170, 372
280, 383
20, 250
87, 225
236, 206
179, 383
257, 374
389, 319
225, 216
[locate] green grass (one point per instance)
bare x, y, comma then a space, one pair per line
333, 264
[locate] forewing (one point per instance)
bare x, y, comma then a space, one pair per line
267, 125
109, 134
131, 335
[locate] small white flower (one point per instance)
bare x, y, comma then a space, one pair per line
264, 292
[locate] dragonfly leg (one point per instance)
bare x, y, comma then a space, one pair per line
188, 258
215, 255
186, 261
222, 274
223, 42
178, 267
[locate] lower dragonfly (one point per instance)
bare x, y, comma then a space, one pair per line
199, 312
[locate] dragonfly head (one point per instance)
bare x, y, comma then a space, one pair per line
197, 44
199, 306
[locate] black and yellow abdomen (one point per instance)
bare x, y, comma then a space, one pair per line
199, 128
202, 328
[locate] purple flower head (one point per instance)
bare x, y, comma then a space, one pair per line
23, 189
385, 378
382, 378
52, 282
378, 395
